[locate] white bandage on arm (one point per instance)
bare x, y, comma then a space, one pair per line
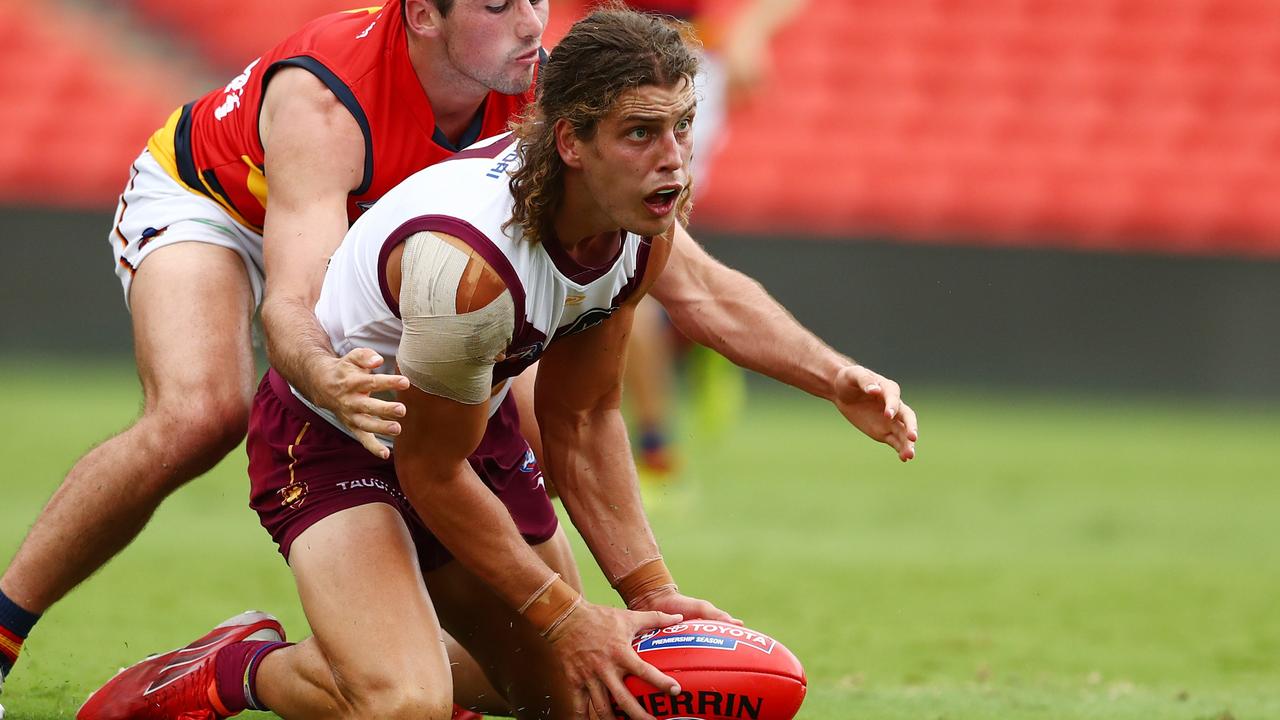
442, 352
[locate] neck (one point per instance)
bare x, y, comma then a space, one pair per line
454, 97
581, 223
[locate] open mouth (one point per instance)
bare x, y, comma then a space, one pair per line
663, 201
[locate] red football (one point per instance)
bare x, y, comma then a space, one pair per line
725, 672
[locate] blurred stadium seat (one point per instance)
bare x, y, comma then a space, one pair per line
231, 33
1127, 124
1124, 124
76, 109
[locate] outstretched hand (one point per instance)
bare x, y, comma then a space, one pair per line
347, 390
873, 404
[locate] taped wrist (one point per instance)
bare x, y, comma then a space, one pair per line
550, 605
648, 579
442, 352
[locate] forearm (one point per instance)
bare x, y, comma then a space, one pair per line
590, 458
734, 315
297, 346
453, 502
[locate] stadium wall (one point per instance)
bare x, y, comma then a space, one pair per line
1041, 319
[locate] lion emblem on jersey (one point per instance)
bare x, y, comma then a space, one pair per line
293, 495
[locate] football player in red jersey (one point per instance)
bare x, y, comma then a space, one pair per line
190, 251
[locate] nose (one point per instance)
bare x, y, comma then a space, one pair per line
671, 152
531, 20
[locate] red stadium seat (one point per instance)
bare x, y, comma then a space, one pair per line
231, 33
73, 126
1126, 124
1117, 122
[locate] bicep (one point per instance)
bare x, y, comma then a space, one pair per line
583, 372
437, 432
306, 215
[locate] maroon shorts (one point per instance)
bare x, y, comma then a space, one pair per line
302, 470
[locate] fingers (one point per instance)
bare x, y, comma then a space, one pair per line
600, 705
379, 383
905, 433
625, 701
908, 419
381, 409
711, 612
370, 382
652, 675
898, 439
365, 358
892, 395
654, 619
370, 424
371, 444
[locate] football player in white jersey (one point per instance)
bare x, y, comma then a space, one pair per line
467, 272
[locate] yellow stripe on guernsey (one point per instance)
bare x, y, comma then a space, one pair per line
256, 181
161, 146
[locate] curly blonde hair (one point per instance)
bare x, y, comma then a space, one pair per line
610, 51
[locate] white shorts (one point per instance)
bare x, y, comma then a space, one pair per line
156, 210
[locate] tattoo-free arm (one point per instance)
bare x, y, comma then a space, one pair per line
732, 314
314, 158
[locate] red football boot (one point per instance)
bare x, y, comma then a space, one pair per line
461, 713
178, 685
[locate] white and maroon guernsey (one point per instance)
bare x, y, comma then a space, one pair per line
468, 196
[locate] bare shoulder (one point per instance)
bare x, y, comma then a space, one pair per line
298, 102
660, 252
312, 143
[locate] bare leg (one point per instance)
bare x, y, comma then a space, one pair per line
378, 650
471, 686
650, 363
192, 308
519, 662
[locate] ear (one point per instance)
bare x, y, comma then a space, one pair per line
423, 18
568, 144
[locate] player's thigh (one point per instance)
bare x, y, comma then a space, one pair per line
518, 661
192, 305
361, 587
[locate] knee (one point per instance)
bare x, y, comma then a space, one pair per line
403, 703
197, 430
403, 697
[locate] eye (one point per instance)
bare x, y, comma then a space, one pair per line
684, 125
638, 133
496, 9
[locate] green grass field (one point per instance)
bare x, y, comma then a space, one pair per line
1044, 557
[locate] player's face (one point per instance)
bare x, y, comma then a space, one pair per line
637, 165
496, 42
